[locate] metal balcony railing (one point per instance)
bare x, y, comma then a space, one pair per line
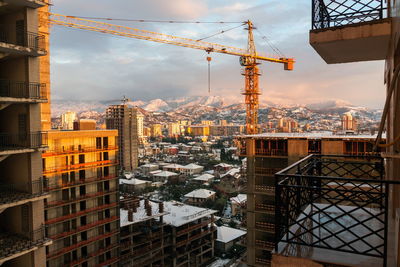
22, 38
339, 203
15, 243
57, 183
15, 192
35, 91
34, 140
334, 13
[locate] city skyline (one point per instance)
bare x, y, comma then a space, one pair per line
119, 66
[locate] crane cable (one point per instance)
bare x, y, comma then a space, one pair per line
160, 21
221, 32
270, 44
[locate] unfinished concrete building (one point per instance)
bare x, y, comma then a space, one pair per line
124, 119
22, 232
143, 241
166, 234
82, 211
266, 155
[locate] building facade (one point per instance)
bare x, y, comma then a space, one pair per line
22, 91
124, 119
67, 120
81, 213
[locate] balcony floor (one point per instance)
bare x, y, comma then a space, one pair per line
13, 246
331, 256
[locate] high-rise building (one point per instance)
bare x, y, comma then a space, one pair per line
268, 154
81, 213
348, 122
22, 90
67, 120
328, 222
174, 129
140, 124
124, 119
156, 130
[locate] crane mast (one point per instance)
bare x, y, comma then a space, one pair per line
248, 57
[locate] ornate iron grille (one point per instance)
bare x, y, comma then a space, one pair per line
334, 13
333, 202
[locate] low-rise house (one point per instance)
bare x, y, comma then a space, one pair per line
204, 179
222, 168
199, 196
238, 205
173, 167
133, 185
147, 168
227, 237
191, 169
164, 176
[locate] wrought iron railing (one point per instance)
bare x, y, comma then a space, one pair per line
23, 90
338, 203
334, 13
34, 140
22, 38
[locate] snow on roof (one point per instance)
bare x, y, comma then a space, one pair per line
232, 172
149, 165
205, 177
180, 214
239, 198
133, 181
227, 234
223, 165
192, 166
165, 174
155, 172
200, 193
173, 166
140, 215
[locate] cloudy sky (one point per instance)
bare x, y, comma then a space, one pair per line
95, 66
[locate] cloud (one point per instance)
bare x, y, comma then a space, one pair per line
95, 66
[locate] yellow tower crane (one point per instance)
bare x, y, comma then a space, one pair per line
248, 57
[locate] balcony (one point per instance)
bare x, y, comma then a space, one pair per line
60, 152
53, 184
22, 143
334, 210
20, 193
350, 30
80, 166
21, 42
22, 92
13, 245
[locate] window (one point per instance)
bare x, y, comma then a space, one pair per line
98, 142
81, 159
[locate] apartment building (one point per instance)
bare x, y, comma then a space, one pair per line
342, 197
22, 232
81, 214
166, 234
124, 119
268, 154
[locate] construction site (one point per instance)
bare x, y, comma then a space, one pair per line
312, 199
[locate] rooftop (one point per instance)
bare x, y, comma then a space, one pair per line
180, 214
227, 234
205, 177
165, 174
141, 215
200, 193
239, 198
313, 135
192, 166
133, 181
